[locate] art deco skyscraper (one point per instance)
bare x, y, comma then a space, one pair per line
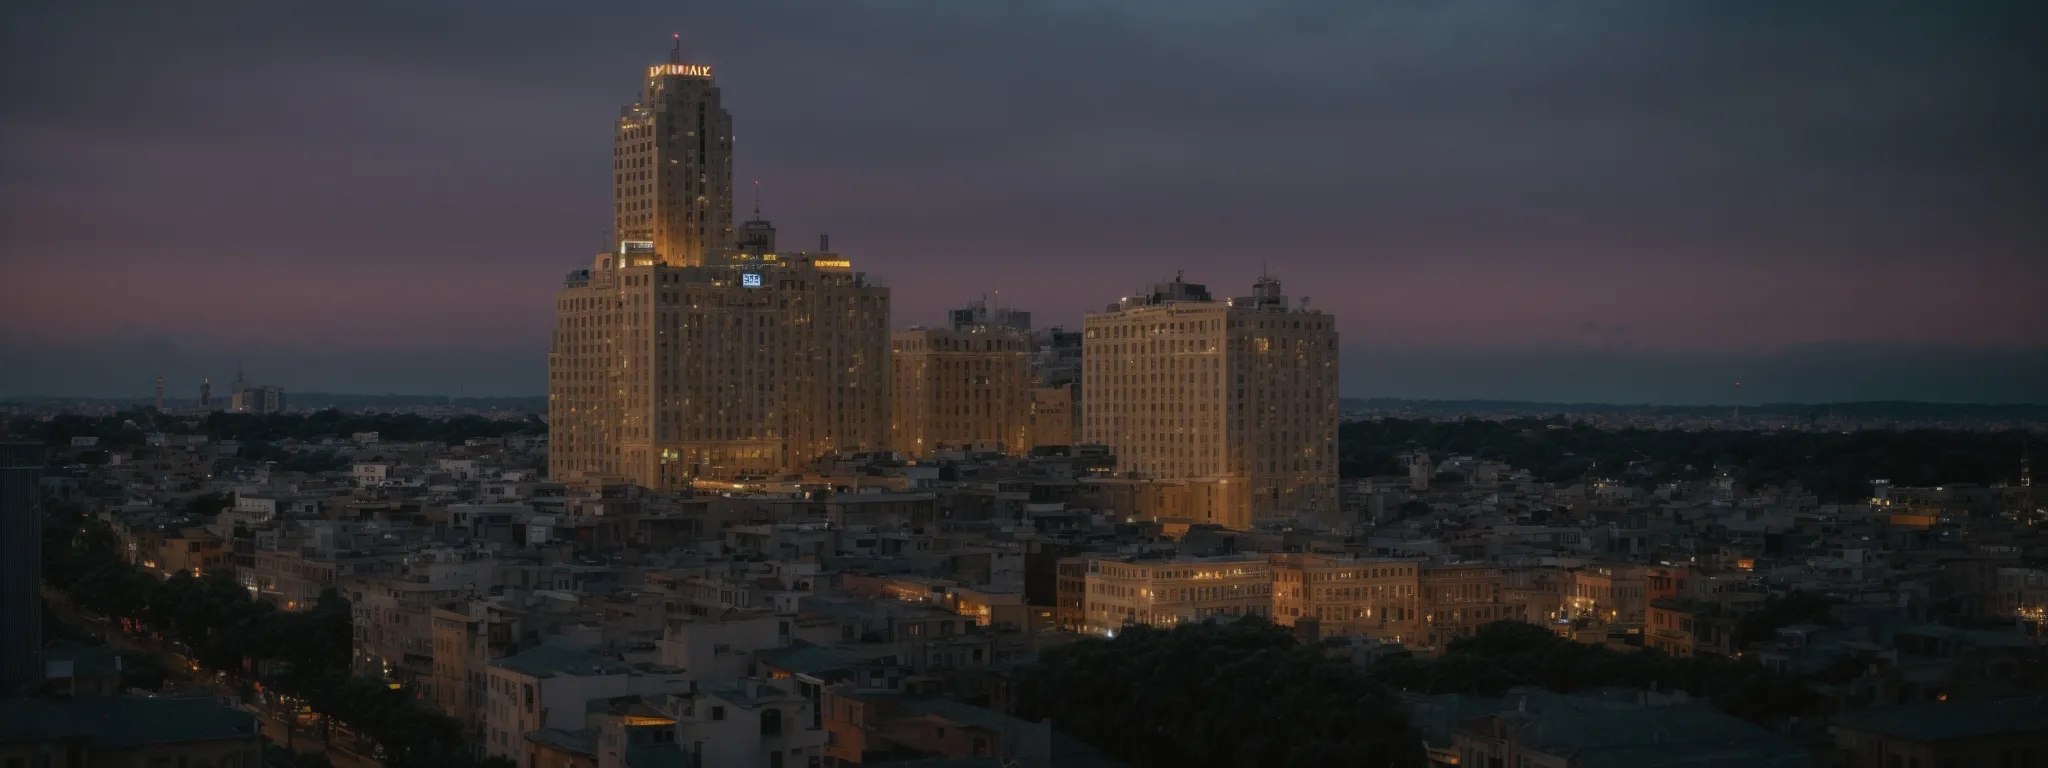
672, 166
677, 356
1235, 397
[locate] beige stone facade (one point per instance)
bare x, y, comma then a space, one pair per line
672, 167
758, 365
1402, 600
1163, 593
1378, 598
1056, 415
956, 389
1183, 387
1458, 599
1213, 500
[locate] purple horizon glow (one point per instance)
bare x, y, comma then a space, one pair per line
1673, 178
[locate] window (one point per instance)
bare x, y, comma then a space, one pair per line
718, 713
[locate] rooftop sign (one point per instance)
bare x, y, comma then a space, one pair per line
684, 70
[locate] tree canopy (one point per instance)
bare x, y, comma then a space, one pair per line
129, 428
1838, 467
1236, 694
1508, 654
306, 653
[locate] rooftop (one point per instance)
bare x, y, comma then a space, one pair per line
1943, 720
544, 661
579, 742
116, 722
807, 659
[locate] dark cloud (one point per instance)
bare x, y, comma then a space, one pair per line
1686, 176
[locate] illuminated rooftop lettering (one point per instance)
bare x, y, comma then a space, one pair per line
684, 70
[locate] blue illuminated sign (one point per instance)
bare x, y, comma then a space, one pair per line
750, 280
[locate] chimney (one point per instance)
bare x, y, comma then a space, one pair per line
825, 243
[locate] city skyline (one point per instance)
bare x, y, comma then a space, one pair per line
1480, 229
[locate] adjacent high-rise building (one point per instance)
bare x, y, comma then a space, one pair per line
964, 388
979, 314
1057, 356
1237, 397
21, 568
1056, 390
672, 166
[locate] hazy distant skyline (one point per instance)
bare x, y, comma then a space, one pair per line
1629, 202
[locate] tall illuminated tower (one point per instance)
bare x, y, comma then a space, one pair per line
691, 351
672, 166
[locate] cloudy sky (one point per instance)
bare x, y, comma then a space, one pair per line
1629, 201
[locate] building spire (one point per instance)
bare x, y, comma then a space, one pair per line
757, 199
675, 52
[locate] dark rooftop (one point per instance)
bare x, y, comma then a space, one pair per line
117, 722
1943, 720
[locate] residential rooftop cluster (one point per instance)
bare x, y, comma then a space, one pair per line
874, 609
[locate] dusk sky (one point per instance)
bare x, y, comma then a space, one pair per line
1627, 201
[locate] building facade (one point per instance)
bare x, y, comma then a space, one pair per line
961, 388
1458, 599
1055, 415
757, 365
1163, 593
1182, 386
1377, 598
672, 166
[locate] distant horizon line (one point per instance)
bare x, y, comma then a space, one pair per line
1342, 399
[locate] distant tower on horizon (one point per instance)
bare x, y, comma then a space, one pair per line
205, 393
2026, 465
159, 393
672, 166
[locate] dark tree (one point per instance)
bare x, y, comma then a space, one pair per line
1217, 695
